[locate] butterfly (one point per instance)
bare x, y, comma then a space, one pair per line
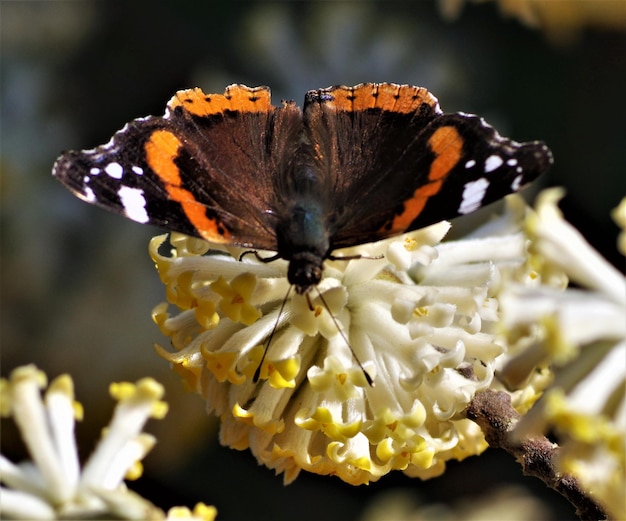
354, 165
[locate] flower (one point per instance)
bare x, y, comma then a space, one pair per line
619, 216
562, 20
53, 485
582, 333
502, 503
414, 316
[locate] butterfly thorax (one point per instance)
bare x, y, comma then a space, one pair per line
303, 240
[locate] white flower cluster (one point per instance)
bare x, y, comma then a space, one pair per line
418, 316
53, 485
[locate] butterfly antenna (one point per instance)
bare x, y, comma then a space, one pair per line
367, 376
257, 373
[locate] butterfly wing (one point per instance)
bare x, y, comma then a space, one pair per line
206, 168
386, 152
470, 166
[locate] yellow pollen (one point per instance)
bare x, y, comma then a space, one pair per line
410, 243
420, 311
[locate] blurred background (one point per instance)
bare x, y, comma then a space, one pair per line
77, 284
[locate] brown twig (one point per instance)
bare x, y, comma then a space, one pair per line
493, 412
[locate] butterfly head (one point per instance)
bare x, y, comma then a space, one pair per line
305, 271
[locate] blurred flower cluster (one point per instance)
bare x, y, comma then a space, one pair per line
581, 334
53, 485
561, 20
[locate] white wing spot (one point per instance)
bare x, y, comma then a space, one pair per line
94, 171
114, 170
86, 179
90, 197
511, 162
492, 162
519, 169
134, 203
138, 170
517, 183
470, 163
473, 195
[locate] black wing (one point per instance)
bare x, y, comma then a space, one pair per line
393, 162
206, 168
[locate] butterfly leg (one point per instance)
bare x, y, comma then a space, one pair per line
353, 257
256, 254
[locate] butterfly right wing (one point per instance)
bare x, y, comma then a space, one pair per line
396, 163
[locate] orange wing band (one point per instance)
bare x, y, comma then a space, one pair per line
447, 145
161, 151
403, 99
236, 98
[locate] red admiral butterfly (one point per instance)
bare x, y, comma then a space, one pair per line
355, 165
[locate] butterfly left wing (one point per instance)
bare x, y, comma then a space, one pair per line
207, 168
396, 163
